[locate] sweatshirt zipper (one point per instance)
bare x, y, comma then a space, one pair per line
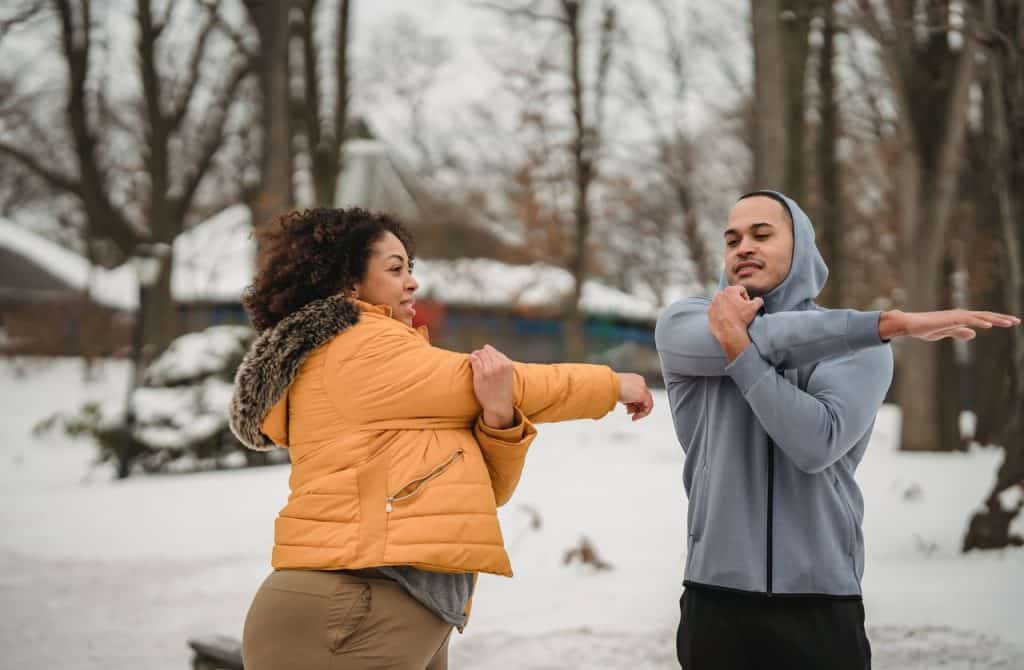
419, 482
771, 511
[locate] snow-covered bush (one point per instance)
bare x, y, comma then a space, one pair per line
180, 411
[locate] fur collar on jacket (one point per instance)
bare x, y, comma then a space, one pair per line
274, 359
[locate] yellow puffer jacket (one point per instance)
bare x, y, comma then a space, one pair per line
390, 463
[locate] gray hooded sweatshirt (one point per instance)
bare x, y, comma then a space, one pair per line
772, 439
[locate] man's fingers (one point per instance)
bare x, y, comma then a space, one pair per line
964, 334
959, 332
996, 317
988, 319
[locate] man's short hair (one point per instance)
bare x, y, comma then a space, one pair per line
774, 196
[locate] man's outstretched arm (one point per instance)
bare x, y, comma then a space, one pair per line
688, 347
698, 337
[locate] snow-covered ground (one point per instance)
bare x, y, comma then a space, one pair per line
102, 574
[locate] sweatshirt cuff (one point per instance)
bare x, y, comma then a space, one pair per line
862, 330
747, 368
521, 431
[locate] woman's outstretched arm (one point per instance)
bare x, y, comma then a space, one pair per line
396, 376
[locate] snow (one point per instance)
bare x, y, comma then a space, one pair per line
214, 260
179, 416
198, 355
485, 282
110, 574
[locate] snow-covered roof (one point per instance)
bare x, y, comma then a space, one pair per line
114, 288
490, 283
214, 260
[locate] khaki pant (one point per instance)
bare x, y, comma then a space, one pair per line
313, 620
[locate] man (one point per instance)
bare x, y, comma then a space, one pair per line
773, 400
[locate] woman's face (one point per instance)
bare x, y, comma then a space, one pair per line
389, 279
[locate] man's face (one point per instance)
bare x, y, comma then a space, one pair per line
758, 245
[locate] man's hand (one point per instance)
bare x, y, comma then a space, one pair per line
492, 384
932, 326
729, 315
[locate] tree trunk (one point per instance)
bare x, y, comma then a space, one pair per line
582, 154
828, 218
324, 127
796, 27
948, 390
931, 160
274, 195
159, 314
769, 113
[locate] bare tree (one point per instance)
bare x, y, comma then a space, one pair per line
274, 193
125, 203
586, 98
780, 31
674, 159
930, 58
1003, 28
829, 215
320, 116
407, 64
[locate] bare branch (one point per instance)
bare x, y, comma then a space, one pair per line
308, 109
213, 139
341, 73
893, 57
76, 43
179, 110
527, 11
53, 177
165, 19
25, 14
606, 48
236, 37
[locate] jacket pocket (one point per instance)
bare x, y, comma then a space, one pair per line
851, 520
699, 503
413, 487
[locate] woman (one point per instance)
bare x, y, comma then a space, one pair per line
400, 451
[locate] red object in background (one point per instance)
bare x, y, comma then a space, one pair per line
429, 314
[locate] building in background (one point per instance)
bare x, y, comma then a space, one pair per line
52, 300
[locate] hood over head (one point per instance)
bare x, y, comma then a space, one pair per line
808, 271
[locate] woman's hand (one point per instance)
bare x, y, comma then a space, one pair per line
635, 395
492, 384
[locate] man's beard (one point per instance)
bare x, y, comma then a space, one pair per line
752, 291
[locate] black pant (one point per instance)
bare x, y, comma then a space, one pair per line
721, 630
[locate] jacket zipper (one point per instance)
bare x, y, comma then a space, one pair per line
419, 482
771, 511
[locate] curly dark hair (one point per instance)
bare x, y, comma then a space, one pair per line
311, 254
